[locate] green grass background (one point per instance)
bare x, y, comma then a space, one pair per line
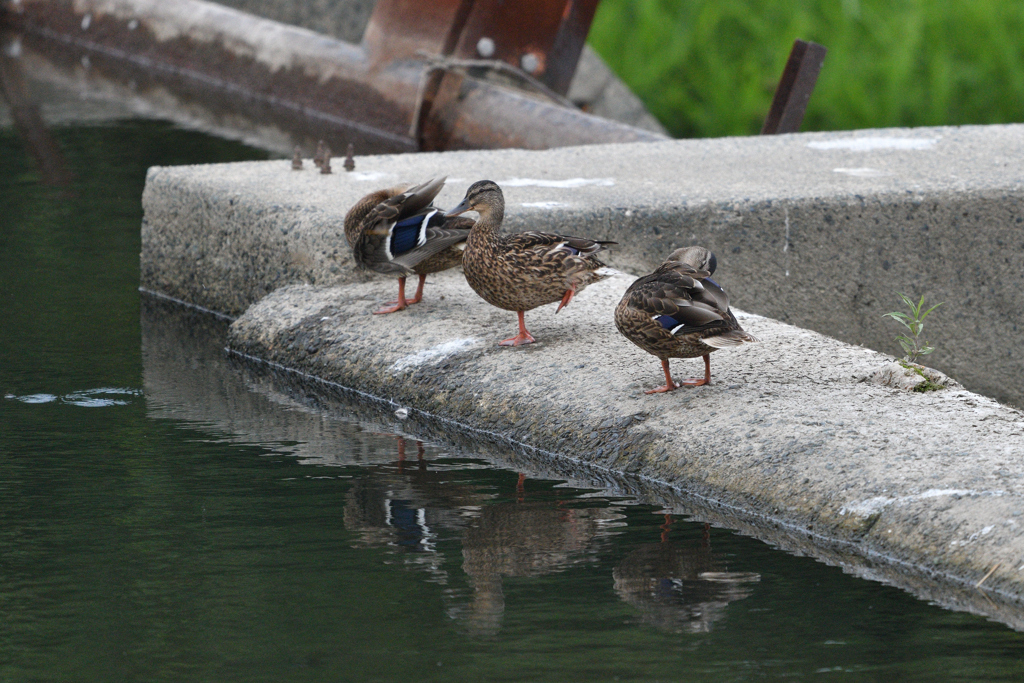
709, 67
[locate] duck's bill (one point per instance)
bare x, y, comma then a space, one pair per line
463, 207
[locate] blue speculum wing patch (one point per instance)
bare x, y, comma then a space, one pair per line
668, 322
406, 234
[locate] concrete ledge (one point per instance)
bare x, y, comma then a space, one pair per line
790, 430
186, 378
819, 230
816, 228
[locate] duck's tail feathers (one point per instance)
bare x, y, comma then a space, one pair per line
732, 338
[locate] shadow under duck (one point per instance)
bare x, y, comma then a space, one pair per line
521, 271
678, 311
398, 231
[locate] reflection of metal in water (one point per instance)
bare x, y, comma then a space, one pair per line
679, 588
53, 169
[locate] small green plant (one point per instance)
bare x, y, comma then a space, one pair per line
913, 345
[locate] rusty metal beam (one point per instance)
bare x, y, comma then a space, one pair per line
568, 45
795, 88
264, 70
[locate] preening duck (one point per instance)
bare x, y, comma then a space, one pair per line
678, 311
521, 271
398, 231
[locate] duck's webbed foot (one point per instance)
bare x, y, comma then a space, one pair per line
524, 336
401, 303
701, 381
669, 384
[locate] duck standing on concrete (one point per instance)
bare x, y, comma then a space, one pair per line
521, 271
678, 311
399, 231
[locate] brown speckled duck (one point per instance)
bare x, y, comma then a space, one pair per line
678, 311
521, 271
398, 231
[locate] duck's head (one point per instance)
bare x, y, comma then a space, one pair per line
696, 257
484, 197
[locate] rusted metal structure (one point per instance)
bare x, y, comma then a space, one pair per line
445, 74
795, 87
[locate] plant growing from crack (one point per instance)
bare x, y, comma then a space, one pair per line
913, 344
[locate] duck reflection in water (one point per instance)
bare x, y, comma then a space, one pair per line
412, 509
409, 509
677, 587
523, 538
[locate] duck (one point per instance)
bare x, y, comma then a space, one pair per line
678, 311
521, 271
399, 231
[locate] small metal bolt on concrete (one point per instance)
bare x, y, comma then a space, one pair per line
318, 156
325, 167
297, 160
350, 162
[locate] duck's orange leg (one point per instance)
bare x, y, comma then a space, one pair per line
569, 294
419, 291
669, 384
524, 337
697, 382
398, 305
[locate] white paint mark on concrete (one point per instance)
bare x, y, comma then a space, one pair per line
543, 205
565, 184
433, 354
370, 176
871, 506
785, 243
861, 172
870, 144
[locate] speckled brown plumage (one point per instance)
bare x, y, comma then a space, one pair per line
521, 271
678, 311
371, 222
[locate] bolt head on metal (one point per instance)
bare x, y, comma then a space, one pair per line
529, 63
485, 47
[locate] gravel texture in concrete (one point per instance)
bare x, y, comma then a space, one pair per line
818, 230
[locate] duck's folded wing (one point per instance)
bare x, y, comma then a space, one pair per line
675, 300
437, 240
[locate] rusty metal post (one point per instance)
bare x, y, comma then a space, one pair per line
795, 88
568, 45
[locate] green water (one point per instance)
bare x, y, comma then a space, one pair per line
166, 515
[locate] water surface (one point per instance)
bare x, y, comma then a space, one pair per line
167, 514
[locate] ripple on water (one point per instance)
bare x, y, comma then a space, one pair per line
89, 398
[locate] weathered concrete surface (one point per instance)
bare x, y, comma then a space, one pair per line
790, 430
819, 230
187, 378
